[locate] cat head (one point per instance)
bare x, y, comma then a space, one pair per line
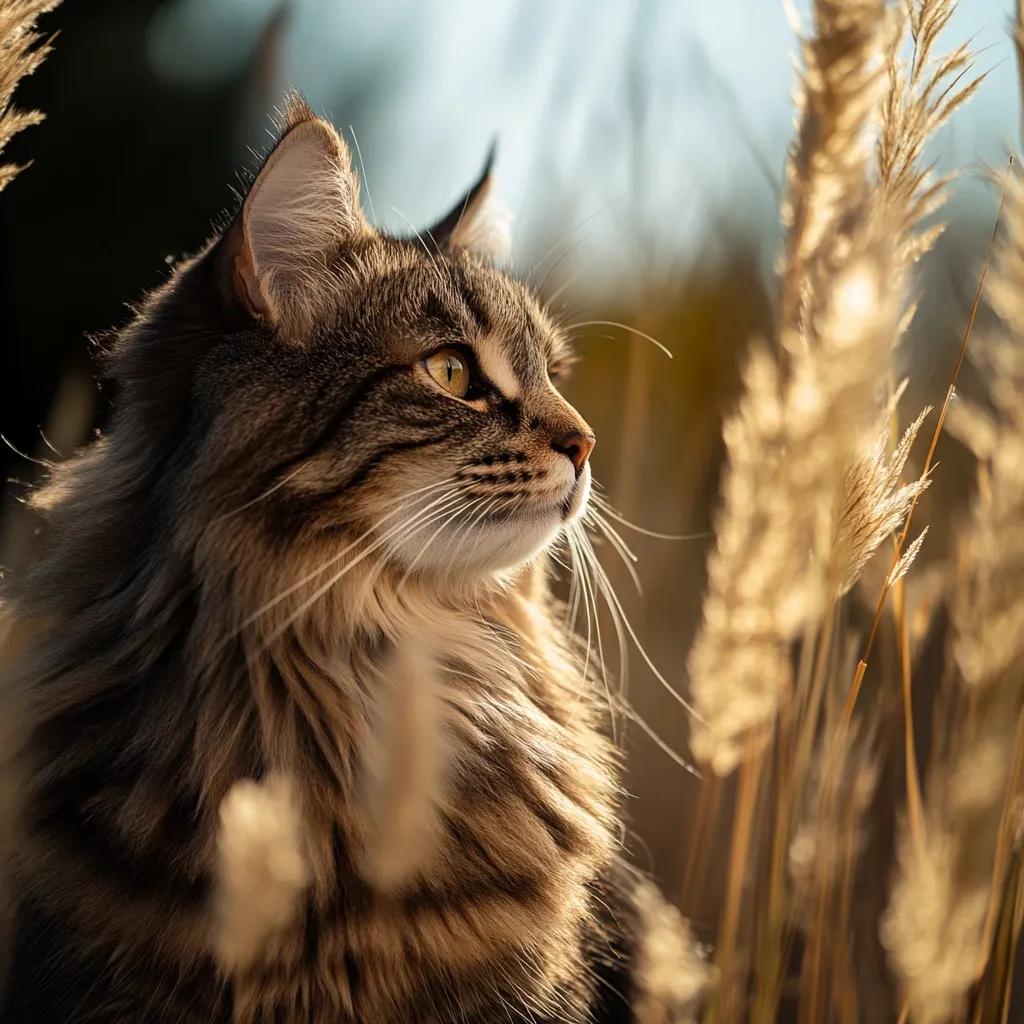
324, 382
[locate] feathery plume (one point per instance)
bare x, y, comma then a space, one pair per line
822, 862
802, 411
902, 567
831, 831
20, 55
261, 869
671, 974
989, 606
795, 529
874, 501
836, 101
933, 927
939, 914
922, 94
795, 429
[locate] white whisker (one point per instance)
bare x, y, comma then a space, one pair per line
634, 716
611, 512
430, 255
260, 612
590, 557
362, 172
260, 497
620, 546
465, 507
417, 520
609, 592
625, 327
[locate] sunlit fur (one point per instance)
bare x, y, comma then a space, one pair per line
282, 501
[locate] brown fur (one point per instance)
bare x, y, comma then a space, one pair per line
272, 415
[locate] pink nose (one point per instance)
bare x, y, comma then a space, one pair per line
577, 447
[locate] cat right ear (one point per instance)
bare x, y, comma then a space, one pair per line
301, 212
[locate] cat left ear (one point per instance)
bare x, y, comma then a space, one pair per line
301, 212
479, 222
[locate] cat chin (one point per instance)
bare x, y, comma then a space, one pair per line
486, 548
498, 544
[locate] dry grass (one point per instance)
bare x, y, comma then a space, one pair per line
814, 485
952, 883
21, 52
832, 882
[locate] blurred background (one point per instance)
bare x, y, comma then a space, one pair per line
641, 146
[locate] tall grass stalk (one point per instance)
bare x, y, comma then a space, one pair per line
22, 50
950, 891
813, 486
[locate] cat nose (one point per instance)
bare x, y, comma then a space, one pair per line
577, 447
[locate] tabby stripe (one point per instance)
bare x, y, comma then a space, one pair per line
465, 895
395, 448
367, 467
362, 391
86, 841
477, 311
435, 311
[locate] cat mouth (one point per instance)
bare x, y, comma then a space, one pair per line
527, 509
553, 504
517, 513
538, 507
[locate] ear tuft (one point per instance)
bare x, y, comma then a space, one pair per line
301, 212
295, 110
479, 222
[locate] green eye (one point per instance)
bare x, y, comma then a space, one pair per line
448, 367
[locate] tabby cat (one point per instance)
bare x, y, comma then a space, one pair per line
328, 445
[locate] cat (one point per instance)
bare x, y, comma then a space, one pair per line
329, 448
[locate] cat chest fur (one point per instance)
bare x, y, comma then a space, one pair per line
455, 802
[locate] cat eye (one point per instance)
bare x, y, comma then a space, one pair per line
452, 369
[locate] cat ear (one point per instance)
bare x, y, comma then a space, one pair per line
301, 211
479, 221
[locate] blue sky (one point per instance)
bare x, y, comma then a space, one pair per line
650, 121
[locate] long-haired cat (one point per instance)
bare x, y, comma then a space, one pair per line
335, 463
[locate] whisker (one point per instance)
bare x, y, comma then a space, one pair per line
625, 327
590, 582
28, 458
362, 172
634, 716
430, 255
619, 702
341, 554
563, 287
565, 234
47, 442
613, 597
589, 559
588, 602
459, 510
420, 524
573, 597
554, 266
460, 532
610, 511
260, 497
621, 548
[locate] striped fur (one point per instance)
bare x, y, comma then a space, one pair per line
279, 505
